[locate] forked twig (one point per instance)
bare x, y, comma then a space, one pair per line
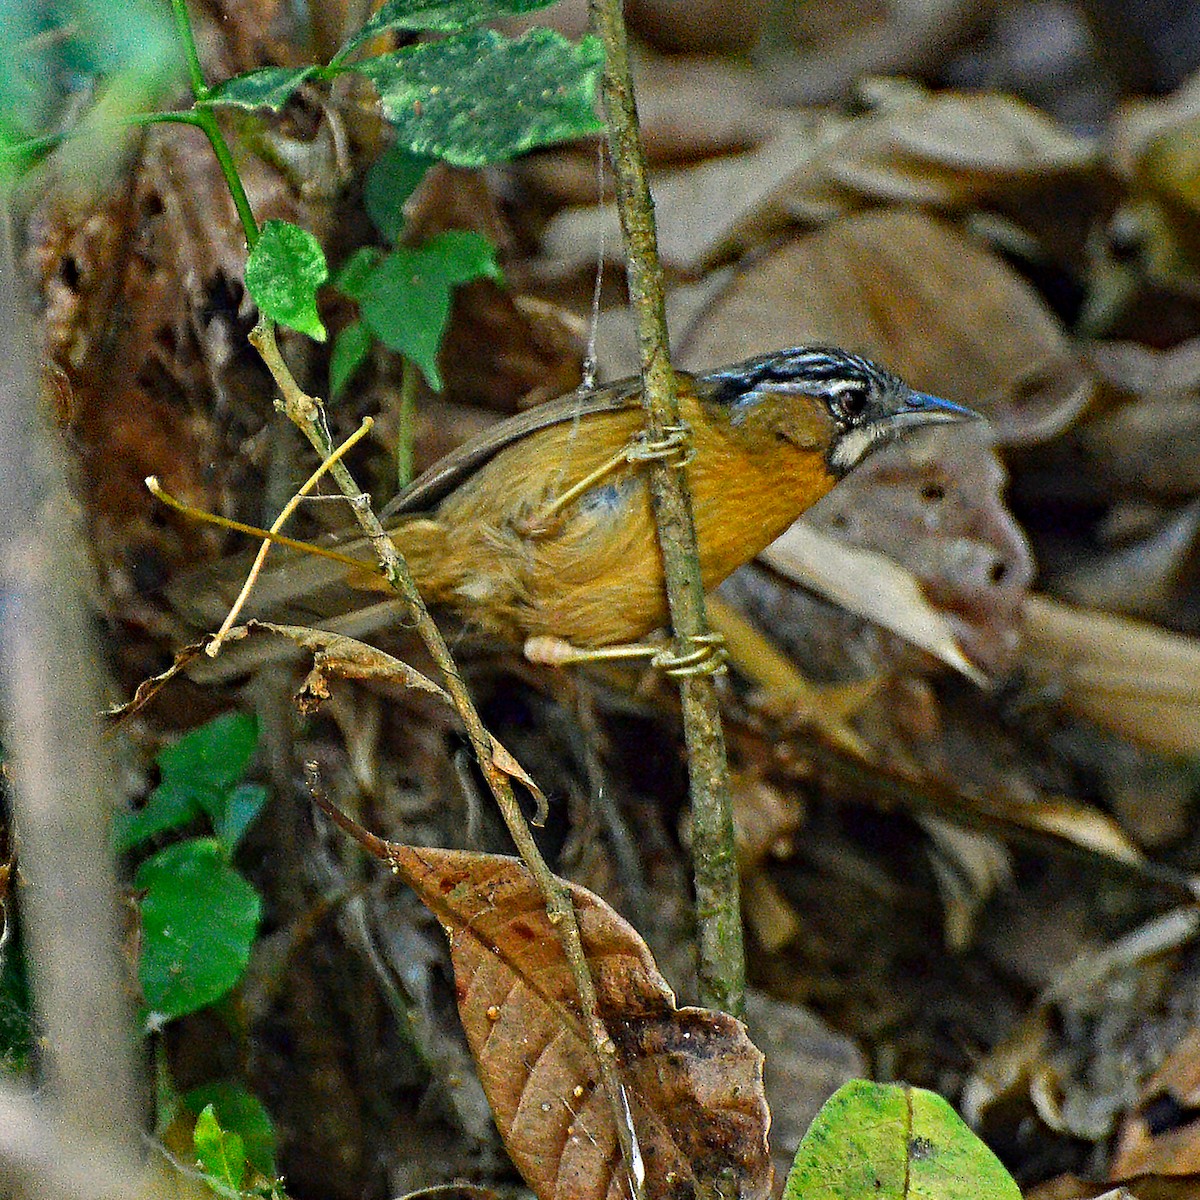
214, 646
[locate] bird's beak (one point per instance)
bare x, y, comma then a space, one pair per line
923, 409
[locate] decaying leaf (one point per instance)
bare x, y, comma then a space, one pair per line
692, 1078
1069, 1089
868, 281
869, 584
1162, 1136
1141, 1187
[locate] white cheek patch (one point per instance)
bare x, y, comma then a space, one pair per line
852, 446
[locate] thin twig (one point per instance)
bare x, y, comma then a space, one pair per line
307, 413
256, 531
722, 971
214, 646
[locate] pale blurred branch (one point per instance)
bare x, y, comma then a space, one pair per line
63, 787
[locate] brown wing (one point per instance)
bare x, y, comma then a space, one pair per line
428, 490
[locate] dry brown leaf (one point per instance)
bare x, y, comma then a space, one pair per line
840, 43
870, 585
970, 869
943, 149
694, 106
692, 1078
1069, 1187
149, 688
1162, 1136
1125, 445
1131, 677
705, 213
879, 284
338, 656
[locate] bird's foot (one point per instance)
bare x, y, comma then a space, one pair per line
705, 657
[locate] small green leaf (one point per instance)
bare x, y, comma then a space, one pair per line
215, 756
283, 272
169, 806
892, 1142
406, 301
443, 16
270, 87
220, 1154
350, 350
197, 772
239, 1112
393, 177
199, 918
234, 812
482, 98
464, 256
358, 268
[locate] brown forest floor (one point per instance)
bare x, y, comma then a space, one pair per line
964, 901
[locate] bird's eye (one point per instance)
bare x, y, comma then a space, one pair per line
850, 403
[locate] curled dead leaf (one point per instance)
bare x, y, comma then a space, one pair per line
871, 586
692, 1078
934, 149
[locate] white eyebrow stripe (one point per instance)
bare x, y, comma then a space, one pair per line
835, 387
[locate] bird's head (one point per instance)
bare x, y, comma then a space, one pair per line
825, 399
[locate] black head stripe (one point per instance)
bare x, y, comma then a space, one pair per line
803, 364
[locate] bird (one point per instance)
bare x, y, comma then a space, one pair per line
541, 528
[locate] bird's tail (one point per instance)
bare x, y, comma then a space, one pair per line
295, 588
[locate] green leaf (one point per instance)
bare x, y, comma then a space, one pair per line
358, 268
465, 255
350, 349
239, 1112
234, 812
406, 301
481, 98
444, 16
197, 772
221, 1155
169, 806
270, 87
283, 272
215, 756
199, 918
393, 177
891, 1142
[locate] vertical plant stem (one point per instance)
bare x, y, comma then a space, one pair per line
183, 26
305, 412
722, 971
205, 119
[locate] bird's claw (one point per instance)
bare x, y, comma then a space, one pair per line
708, 658
674, 444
